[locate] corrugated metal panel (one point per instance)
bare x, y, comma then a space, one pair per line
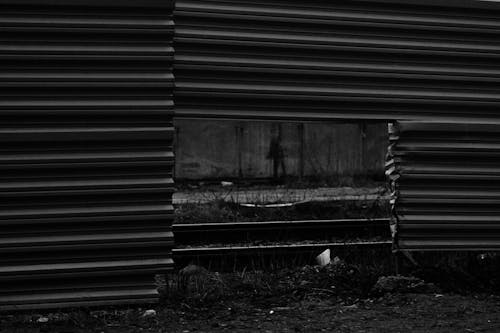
446, 179
335, 59
86, 151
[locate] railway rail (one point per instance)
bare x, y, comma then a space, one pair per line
189, 234
241, 243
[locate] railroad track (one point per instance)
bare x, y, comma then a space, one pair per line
273, 248
227, 232
244, 242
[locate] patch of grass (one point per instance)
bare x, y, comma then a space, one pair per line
282, 282
223, 211
352, 277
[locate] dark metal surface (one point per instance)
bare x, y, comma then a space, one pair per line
317, 60
86, 106
227, 232
86, 152
446, 179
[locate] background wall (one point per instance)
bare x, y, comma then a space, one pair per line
217, 149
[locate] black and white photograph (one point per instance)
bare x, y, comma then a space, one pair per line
249, 166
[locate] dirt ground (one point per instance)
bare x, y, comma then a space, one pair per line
340, 297
390, 313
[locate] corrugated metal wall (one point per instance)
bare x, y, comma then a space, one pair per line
335, 59
86, 151
446, 179
86, 109
377, 59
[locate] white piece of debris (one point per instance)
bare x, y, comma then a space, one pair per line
323, 258
42, 320
226, 183
149, 313
274, 205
